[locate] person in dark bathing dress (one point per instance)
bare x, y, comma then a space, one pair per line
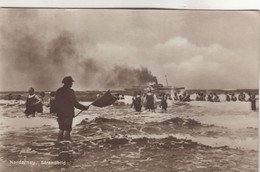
150, 101
52, 103
233, 97
253, 102
164, 104
137, 103
32, 102
210, 98
227, 98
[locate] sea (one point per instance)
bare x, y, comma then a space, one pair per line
189, 136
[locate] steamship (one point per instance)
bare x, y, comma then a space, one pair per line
155, 88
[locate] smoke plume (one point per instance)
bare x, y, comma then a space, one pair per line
100, 76
126, 76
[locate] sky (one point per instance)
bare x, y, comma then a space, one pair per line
115, 49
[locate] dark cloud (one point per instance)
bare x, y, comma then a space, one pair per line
118, 48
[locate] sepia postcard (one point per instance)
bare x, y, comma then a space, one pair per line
129, 90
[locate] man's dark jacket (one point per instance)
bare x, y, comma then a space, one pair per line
66, 101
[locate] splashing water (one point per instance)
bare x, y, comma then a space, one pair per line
194, 135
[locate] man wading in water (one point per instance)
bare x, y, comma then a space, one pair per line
65, 102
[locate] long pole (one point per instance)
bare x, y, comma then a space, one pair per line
78, 113
81, 111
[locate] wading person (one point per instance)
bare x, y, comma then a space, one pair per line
253, 102
150, 101
65, 101
241, 97
137, 102
227, 97
250, 97
210, 97
233, 97
164, 104
52, 103
216, 98
32, 103
186, 98
39, 107
176, 96
198, 97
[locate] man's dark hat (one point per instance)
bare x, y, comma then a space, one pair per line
67, 79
